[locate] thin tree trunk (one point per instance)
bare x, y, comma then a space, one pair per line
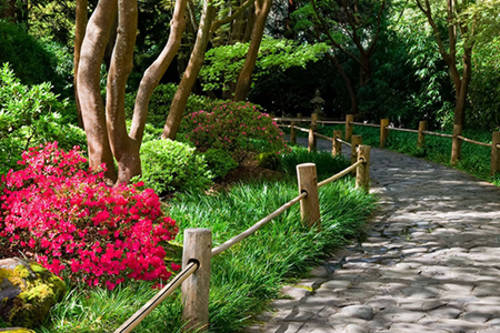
461, 96
154, 73
191, 73
365, 71
347, 82
93, 115
80, 26
262, 8
125, 150
249, 26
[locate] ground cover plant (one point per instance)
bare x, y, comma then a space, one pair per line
246, 276
474, 159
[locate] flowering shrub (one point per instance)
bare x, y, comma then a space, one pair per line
235, 127
63, 215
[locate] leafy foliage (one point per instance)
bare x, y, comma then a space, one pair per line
169, 166
30, 116
64, 216
219, 161
223, 63
30, 59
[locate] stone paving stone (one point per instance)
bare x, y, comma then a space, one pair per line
412, 328
353, 328
429, 263
447, 312
358, 311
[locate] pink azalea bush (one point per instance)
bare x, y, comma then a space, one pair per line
235, 127
60, 213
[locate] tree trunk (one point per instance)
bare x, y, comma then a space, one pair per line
154, 73
347, 82
93, 115
262, 8
365, 71
191, 73
125, 150
249, 26
80, 26
462, 89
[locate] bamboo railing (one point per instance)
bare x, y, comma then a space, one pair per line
349, 122
194, 277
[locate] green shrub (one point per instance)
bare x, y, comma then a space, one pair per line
219, 161
29, 116
32, 60
269, 161
169, 166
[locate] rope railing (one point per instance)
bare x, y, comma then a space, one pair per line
236, 239
341, 173
302, 129
403, 129
385, 128
364, 124
198, 251
343, 141
443, 135
332, 122
166, 291
484, 144
319, 135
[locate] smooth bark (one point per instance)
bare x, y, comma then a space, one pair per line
262, 8
154, 73
191, 73
80, 26
92, 106
125, 150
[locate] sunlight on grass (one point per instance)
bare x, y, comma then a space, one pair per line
246, 276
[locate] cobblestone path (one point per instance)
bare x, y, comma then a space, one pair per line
431, 262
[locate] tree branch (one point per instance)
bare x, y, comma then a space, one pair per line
216, 25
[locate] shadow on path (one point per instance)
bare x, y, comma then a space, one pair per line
431, 262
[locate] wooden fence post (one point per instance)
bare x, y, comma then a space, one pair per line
336, 145
456, 144
495, 153
363, 170
422, 126
314, 120
384, 131
311, 141
356, 140
195, 290
293, 139
308, 182
349, 118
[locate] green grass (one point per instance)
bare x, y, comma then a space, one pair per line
474, 159
248, 275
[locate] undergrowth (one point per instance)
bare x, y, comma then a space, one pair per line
246, 276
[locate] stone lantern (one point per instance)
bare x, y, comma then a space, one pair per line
317, 102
